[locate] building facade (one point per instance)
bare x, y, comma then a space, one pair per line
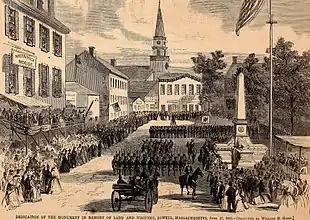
179, 92
33, 51
118, 90
103, 78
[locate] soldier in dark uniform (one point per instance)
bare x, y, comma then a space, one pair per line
182, 163
137, 164
131, 165
156, 162
163, 166
170, 165
151, 166
144, 163
125, 164
188, 171
175, 165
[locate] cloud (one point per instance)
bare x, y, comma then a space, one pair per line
125, 27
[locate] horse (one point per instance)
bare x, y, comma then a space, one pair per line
190, 181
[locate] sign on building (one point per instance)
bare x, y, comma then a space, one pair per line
20, 58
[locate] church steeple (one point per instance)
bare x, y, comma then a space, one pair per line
159, 60
159, 30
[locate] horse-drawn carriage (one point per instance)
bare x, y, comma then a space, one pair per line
125, 192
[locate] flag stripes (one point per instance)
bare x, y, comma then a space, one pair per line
249, 10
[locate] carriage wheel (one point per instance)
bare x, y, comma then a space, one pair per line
116, 200
148, 201
155, 196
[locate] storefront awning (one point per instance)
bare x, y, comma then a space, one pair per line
297, 141
23, 101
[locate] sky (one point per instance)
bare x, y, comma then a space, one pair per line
123, 29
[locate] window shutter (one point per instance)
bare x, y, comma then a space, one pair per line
48, 40
54, 44
34, 32
40, 76
48, 80
53, 82
25, 29
40, 38
33, 81
25, 73
17, 24
60, 82
16, 71
6, 68
60, 45
7, 13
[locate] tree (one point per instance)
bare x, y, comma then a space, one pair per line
211, 70
291, 88
256, 89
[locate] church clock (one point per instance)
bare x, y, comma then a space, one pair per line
158, 42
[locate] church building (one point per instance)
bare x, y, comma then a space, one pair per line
145, 81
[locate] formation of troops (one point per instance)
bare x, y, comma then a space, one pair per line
216, 133
153, 155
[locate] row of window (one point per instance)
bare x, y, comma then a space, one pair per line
120, 99
12, 32
12, 75
118, 84
191, 90
173, 108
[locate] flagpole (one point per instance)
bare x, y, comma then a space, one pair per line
271, 22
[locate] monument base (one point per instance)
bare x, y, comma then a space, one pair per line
249, 153
225, 151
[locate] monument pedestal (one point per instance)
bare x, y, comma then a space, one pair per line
246, 158
225, 151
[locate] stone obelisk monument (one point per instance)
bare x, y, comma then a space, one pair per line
240, 151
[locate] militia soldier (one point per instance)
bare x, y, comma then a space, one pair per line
151, 166
170, 165
137, 165
131, 165
175, 165
182, 164
164, 164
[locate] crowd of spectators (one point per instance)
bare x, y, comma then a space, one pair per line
44, 117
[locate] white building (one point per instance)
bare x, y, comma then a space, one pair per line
33, 51
143, 96
102, 77
118, 90
179, 92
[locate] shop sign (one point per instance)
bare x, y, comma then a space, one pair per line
20, 58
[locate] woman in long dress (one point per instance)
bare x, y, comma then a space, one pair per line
11, 196
55, 184
239, 202
224, 204
35, 187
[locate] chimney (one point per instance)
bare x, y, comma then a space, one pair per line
91, 50
113, 62
234, 59
51, 8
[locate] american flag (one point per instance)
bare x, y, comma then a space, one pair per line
249, 10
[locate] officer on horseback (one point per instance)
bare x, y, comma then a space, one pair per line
188, 171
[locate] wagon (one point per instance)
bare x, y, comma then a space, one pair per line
123, 192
